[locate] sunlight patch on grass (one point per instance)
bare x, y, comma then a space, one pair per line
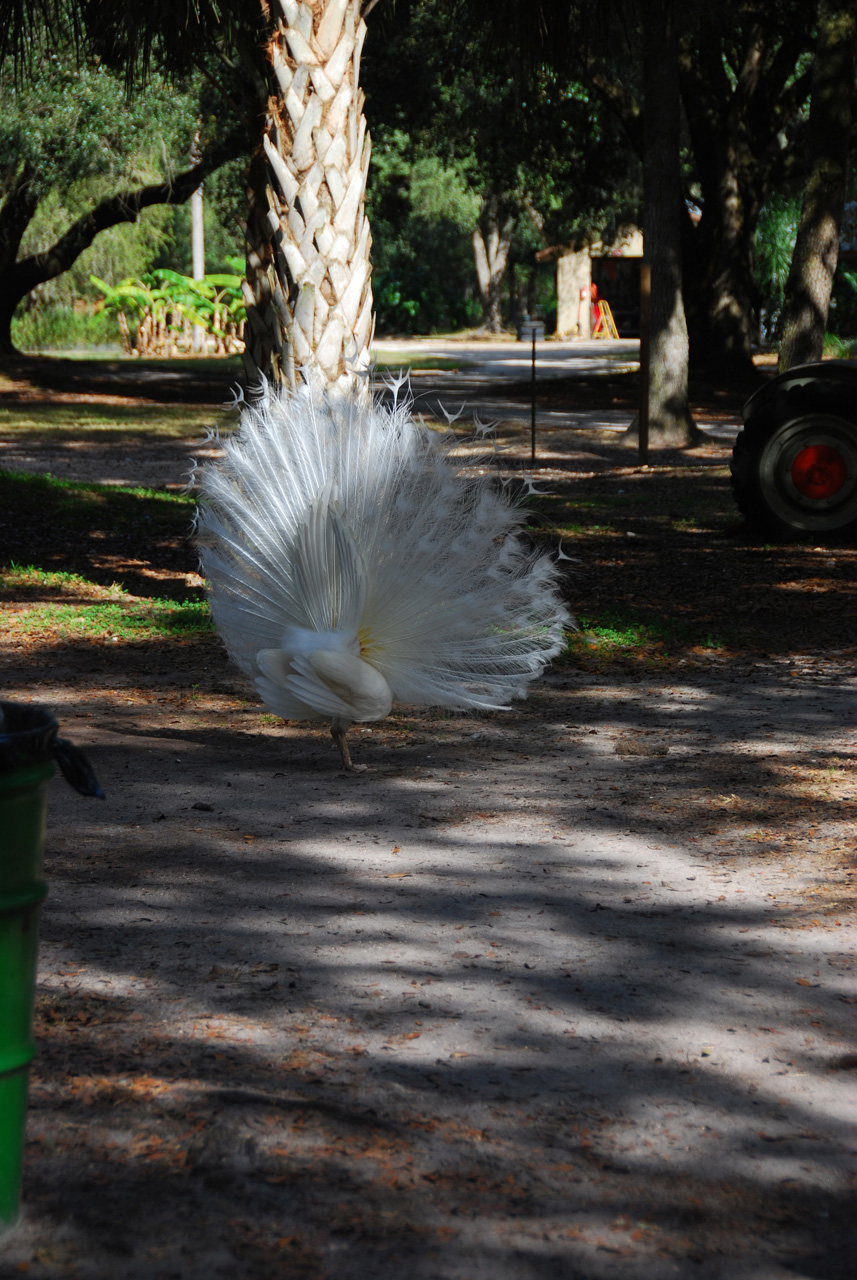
612, 634
575, 531
93, 612
30, 579
99, 422
155, 620
414, 364
73, 489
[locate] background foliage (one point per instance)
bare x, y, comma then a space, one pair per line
457, 120
119, 142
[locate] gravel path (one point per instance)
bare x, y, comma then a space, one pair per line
561, 993
530, 997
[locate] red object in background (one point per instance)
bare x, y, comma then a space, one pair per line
597, 315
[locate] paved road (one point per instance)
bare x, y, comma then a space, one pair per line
509, 359
487, 365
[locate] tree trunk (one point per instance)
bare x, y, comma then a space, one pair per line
670, 421
308, 291
727, 306
492, 239
8, 306
721, 299
743, 92
810, 280
17, 212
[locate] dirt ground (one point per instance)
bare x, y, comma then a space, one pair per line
562, 992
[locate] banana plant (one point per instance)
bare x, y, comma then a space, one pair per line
163, 306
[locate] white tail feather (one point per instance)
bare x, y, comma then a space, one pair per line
337, 532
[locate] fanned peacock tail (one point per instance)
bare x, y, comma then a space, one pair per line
336, 526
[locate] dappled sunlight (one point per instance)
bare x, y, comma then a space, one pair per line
817, 586
569, 984
438, 1000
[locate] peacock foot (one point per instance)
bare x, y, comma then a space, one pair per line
339, 737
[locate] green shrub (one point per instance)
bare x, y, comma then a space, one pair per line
62, 328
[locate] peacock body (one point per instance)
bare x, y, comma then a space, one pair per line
352, 561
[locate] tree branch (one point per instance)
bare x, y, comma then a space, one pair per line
621, 101
781, 67
124, 207
18, 208
749, 74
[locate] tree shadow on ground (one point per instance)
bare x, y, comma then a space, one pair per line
435, 1016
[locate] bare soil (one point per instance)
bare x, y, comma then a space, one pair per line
567, 991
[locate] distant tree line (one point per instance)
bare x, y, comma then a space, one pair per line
501, 128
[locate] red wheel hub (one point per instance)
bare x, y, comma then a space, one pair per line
819, 471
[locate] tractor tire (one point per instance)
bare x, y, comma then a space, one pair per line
794, 466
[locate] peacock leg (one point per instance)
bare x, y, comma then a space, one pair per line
338, 730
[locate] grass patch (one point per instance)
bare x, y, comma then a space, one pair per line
102, 424
105, 533
634, 634
419, 364
189, 364
575, 531
79, 509
580, 512
154, 620
29, 484
30, 579
95, 612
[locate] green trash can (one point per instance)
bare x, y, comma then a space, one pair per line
29, 746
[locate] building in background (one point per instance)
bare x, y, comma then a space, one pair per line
614, 269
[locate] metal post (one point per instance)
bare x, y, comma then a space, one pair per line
533, 402
645, 342
197, 221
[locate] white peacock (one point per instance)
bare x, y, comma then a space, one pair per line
352, 562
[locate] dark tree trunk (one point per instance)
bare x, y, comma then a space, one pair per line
736, 126
8, 305
492, 239
670, 421
810, 281
728, 303
728, 300
18, 209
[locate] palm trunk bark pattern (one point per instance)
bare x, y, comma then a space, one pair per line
308, 290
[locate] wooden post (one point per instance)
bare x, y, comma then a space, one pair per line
645, 332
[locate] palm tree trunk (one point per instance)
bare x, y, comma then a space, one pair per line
816, 252
308, 291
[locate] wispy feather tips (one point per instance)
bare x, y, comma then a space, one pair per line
333, 525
